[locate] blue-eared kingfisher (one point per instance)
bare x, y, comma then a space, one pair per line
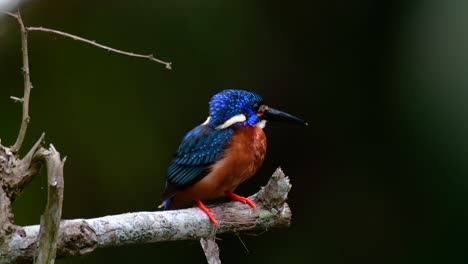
218, 155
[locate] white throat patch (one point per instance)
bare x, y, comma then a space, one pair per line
231, 121
262, 124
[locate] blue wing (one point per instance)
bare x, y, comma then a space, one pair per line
200, 148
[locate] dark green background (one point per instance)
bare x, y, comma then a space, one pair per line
379, 176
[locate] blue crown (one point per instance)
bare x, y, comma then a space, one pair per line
229, 103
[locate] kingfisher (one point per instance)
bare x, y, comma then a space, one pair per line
223, 152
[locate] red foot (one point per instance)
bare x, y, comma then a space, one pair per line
207, 212
241, 199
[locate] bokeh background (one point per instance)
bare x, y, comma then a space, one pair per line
379, 176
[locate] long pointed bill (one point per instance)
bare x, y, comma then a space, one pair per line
277, 115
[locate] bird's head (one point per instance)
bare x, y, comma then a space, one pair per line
240, 108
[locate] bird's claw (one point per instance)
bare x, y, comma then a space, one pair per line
241, 199
207, 211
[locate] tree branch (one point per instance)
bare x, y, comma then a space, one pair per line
93, 43
82, 236
26, 73
150, 57
211, 250
27, 83
9, 14
15, 174
50, 220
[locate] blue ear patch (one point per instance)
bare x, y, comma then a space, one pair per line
229, 103
200, 148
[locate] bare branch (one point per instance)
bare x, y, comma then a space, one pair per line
82, 236
16, 99
27, 83
211, 250
10, 14
16, 173
26, 73
94, 43
50, 220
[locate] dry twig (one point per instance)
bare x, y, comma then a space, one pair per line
150, 57
27, 82
94, 43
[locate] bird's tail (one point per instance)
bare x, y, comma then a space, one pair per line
166, 204
167, 200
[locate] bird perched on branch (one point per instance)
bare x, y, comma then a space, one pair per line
218, 155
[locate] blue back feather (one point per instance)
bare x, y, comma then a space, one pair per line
200, 148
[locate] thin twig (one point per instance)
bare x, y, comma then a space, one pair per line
27, 83
9, 13
243, 244
94, 43
16, 99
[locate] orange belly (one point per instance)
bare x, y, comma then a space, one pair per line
241, 160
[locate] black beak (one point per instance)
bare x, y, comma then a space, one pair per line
277, 115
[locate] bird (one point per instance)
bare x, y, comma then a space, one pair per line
215, 157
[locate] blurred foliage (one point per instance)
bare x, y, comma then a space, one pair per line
380, 175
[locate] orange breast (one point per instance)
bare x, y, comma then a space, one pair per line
241, 160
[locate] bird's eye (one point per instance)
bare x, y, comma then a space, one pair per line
260, 109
